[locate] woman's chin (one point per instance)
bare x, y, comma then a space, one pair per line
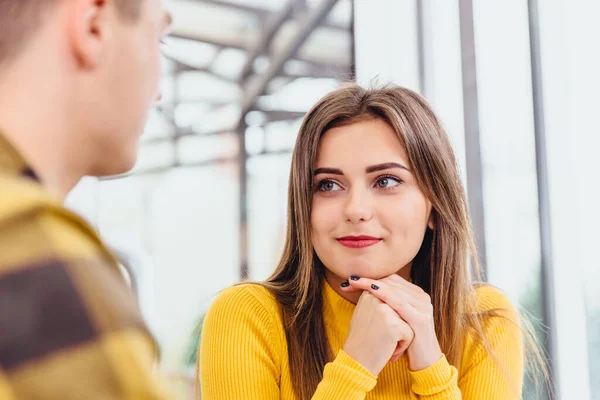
366, 271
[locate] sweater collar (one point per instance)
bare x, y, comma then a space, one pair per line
336, 309
11, 161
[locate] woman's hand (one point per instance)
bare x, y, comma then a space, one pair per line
414, 307
377, 334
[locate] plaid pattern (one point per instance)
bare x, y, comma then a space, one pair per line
69, 326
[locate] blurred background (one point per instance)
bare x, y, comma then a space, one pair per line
516, 84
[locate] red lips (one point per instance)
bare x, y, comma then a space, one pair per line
358, 242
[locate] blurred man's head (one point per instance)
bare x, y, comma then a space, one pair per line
102, 60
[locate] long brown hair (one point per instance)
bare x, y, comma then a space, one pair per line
440, 267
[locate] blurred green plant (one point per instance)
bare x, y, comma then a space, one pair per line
191, 352
531, 304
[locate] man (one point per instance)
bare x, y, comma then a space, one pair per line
77, 78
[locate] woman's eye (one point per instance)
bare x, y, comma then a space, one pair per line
328, 186
387, 182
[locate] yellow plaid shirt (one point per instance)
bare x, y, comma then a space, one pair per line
69, 326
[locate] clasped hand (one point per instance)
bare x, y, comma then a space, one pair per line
392, 316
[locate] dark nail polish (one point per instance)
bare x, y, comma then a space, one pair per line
345, 284
355, 278
374, 286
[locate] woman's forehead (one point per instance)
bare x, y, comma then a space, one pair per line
366, 142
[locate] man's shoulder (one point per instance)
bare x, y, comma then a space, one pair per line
20, 196
46, 247
34, 224
64, 302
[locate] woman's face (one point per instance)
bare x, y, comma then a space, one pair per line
368, 215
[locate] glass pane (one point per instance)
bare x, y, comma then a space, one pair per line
267, 210
396, 29
584, 83
508, 157
185, 223
443, 70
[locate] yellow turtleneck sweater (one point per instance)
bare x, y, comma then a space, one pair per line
243, 355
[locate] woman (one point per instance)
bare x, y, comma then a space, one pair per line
372, 297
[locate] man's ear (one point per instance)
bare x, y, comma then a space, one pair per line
89, 29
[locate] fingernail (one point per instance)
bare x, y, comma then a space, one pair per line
374, 286
345, 284
355, 278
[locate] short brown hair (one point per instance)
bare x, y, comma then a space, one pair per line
19, 19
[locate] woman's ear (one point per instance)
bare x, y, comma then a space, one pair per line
431, 221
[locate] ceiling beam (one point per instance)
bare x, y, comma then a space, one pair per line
183, 67
197, 164
262, 12
235, 44
244, 45
167, 168
313, 70
274, 23
306, 26
185, 132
